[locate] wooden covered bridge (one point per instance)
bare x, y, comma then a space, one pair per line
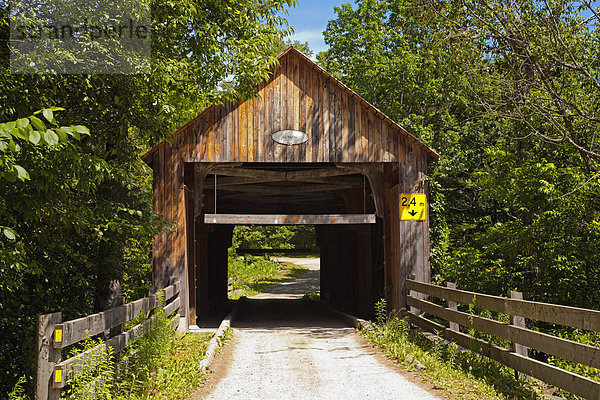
306, 150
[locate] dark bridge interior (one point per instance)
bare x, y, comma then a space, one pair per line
352, 255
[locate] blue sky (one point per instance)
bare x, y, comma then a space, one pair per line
309, 19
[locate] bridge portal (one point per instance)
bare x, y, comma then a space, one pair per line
305, 150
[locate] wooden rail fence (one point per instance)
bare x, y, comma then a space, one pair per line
515, 332
54, 335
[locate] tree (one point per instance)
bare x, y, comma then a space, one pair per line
506, 92
85, 213
542, 70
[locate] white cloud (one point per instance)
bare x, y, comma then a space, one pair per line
308, 35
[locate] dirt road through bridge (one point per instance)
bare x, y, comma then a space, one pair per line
283, 348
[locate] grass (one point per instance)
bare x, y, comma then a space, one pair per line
457, 374
252, 275
160, 364
314, 296
177, 375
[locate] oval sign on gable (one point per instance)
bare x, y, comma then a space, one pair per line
290, 137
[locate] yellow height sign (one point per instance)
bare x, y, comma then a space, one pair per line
413, 206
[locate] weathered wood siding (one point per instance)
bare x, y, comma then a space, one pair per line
169, 249
341, 126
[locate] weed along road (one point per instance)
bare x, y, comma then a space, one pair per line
284, 348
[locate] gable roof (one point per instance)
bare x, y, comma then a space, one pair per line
293, 52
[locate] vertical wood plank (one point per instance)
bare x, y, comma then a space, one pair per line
403, 261
520, 322
190, 143
179, 253
279, 113
338, 123
201, 139
309, 112
301, 149
345, 121
319, 118
190, 259
351, 129
385, 130
243, 130
250, 115
256, 114
235, 126
210, 125
380, 143
364, 132
453, 306
332, 121
218, 134
223, 118
271, 109
184, 142
393, 276
396, 144
47, 357
156, 190
160, 270
358, 131
260, 124
372, 137
228, 126
292, 101
369, 135
169, 257
424, 188
295, 94
326, 117
287, 116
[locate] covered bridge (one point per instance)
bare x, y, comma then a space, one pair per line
306, 150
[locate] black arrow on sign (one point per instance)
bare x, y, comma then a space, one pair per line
413, 213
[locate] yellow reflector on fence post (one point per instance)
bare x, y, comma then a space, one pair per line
57, 376
58, 336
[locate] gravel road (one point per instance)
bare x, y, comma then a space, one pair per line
284, 348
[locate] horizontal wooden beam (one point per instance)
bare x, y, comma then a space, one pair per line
226, 181
563, 348
285, 190
566, 380
288, 219
71, 332
273, 175
556, 314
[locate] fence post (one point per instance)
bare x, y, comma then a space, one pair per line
520, 322
452, 306
47, 356
119, 328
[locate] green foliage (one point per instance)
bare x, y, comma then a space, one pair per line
31, 130
159, 364
18, 391
381, 312
515, 197
178, 374
313, 296
274, 237
252, 275
589, 338
97, 376
83, 221
301, 46
460, 374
